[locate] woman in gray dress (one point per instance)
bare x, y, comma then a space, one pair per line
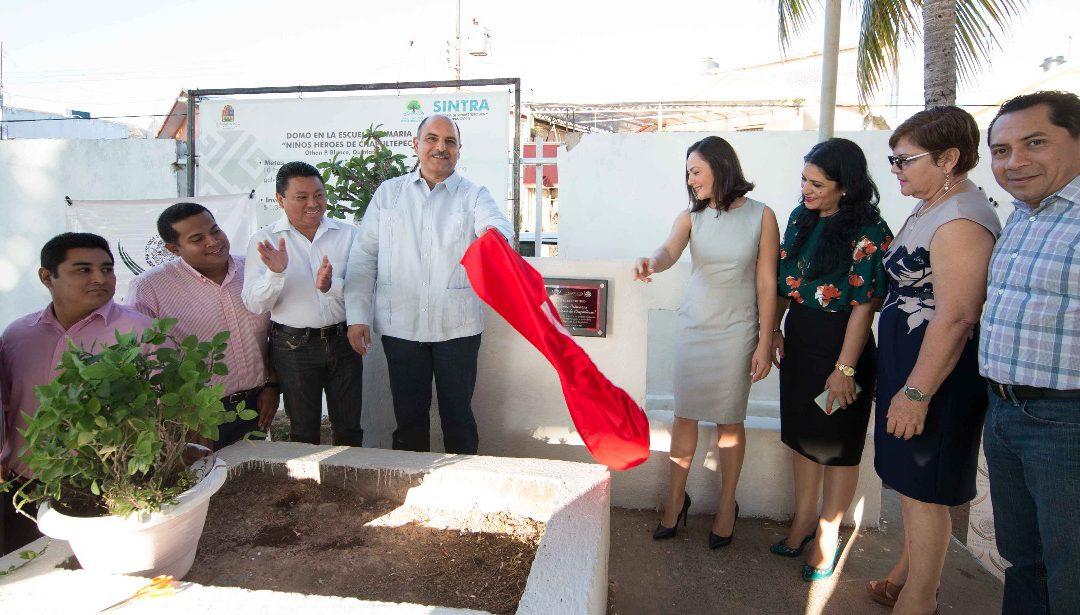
733, 243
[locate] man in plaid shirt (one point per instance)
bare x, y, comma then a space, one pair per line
1029, 353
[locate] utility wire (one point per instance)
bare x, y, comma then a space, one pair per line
101, 117
549, 111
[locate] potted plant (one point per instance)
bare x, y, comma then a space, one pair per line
107, 449
351, 183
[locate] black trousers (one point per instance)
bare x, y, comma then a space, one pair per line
16, 531
411, 367
309, 363
236, 430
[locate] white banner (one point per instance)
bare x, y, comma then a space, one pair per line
243, 141
131, 228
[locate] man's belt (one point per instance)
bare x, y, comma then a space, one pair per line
1020, 392
320, 332
240, 396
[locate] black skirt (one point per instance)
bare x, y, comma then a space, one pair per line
813, 340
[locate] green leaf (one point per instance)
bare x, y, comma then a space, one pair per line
247, 414
189, 370
98, 371
793, 16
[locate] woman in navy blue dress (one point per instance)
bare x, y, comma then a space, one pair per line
930, 398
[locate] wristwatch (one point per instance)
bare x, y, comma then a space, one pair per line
915, 394
846, 370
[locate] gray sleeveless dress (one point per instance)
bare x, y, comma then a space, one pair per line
717, 325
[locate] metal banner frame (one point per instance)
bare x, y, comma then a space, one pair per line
195, 95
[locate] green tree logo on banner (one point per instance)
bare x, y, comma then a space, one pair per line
413, 106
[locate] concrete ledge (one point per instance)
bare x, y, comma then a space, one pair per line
568, 575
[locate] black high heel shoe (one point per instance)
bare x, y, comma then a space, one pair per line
662, 532
715, 542
781, 548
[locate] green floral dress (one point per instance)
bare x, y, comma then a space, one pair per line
841, 289
814, 332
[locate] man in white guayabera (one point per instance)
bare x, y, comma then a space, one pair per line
404, 278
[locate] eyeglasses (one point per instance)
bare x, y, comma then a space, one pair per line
902, 161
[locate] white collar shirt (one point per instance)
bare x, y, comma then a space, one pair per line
290, 296
405, 276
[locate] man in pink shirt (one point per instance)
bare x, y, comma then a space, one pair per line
77, 268
201, 289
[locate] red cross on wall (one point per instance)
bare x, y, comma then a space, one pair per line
551, 172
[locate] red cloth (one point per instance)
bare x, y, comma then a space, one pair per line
613, 427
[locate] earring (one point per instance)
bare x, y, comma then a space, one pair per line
948, 177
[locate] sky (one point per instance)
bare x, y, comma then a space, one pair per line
132, 57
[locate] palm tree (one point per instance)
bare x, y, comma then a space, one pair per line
958, 36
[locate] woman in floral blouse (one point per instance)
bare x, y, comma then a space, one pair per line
830, 273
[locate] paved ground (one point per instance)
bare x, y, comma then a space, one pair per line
681, 576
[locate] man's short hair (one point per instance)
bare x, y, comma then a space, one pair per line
420, 128
290, 170
1064, 109
55, 250
174, 214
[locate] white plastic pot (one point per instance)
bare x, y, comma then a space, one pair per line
140, 544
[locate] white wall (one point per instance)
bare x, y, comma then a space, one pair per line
520, 410
619, 193
36, 174
56, 126
518, 401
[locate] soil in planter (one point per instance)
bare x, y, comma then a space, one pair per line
283, 534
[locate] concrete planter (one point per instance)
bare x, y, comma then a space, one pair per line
569, 574
141, 544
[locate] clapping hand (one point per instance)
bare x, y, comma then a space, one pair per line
275, 259
324, 276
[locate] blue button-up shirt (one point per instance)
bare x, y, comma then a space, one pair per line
1031, 321
404, 274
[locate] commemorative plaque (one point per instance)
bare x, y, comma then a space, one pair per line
582, 304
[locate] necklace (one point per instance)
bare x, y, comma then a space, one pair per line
929, 205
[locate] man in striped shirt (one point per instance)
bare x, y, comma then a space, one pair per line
201, 289
1029, 352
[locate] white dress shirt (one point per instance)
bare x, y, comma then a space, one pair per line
291, 296
404, 275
